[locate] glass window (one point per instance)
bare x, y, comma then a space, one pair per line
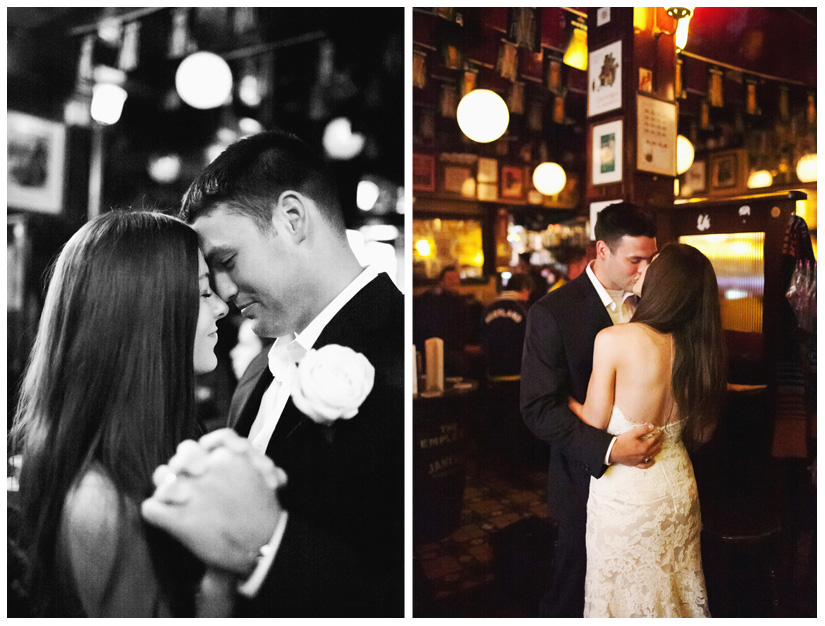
739, 263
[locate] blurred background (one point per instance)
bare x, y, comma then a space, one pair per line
122, 107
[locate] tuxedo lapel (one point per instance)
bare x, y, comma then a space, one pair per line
253, 403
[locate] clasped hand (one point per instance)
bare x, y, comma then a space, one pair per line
218, 497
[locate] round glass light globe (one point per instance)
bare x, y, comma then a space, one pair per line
482, 115
549, 178
204, 80
684, 154
340, 142
806, 169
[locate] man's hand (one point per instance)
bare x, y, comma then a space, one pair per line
637, 447
218, 498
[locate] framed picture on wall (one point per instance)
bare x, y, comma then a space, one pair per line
36, 163
695, 179
423, 172
727, 171
656, 136
607, 153
512, 181
604, 79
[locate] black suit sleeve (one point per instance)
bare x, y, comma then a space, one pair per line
545, 388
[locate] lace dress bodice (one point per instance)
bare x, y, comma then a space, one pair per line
643, 529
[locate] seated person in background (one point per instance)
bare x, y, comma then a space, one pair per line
576, 259
503, 326
444, 313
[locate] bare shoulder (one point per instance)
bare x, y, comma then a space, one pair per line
621, 340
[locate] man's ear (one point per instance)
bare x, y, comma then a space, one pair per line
602, 249
291, 215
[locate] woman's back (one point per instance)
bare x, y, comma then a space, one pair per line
103, 564
643, 360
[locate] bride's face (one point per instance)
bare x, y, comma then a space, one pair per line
212, 308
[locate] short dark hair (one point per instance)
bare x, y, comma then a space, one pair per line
570, 254
445, 271
623, 219
250, 175
520, 282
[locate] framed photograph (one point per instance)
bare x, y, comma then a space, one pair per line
724, 169
36, 163
695, 179
423, 172
604, 79
487, 170
459, 179
607, 153
512, 182
656, 136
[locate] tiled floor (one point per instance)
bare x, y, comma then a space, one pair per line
457, 574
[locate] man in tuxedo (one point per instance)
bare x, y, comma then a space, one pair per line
330, 541
556, 365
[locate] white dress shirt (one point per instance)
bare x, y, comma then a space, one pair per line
620, 306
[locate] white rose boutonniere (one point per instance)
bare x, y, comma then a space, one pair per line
332, 383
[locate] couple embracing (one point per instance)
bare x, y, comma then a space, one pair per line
623, 369
298, 508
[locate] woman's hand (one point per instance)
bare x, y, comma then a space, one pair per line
576, 407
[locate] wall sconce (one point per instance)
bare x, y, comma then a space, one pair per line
483, 115
759, 179
107, 102
684, 154
549, 178
682, 16
576, 53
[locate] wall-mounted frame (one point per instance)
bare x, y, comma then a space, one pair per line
727, 171
512, 182
604, 79
459, 179
607, 151
656, 136
695, 181
423, 172
36, 163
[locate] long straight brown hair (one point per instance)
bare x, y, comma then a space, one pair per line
110, 378
680, 296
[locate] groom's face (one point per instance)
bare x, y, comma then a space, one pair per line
259, 271
625, 264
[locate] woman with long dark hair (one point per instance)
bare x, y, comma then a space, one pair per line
128, 321
666, 368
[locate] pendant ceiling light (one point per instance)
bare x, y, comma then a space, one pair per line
483, 115
204, 80
549, 178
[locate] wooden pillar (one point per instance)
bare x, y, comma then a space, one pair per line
632, 113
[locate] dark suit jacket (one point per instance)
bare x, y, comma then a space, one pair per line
343, 550
557, 363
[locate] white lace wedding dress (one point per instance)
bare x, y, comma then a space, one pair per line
643, 527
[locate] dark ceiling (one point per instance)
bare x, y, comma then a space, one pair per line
366, 85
